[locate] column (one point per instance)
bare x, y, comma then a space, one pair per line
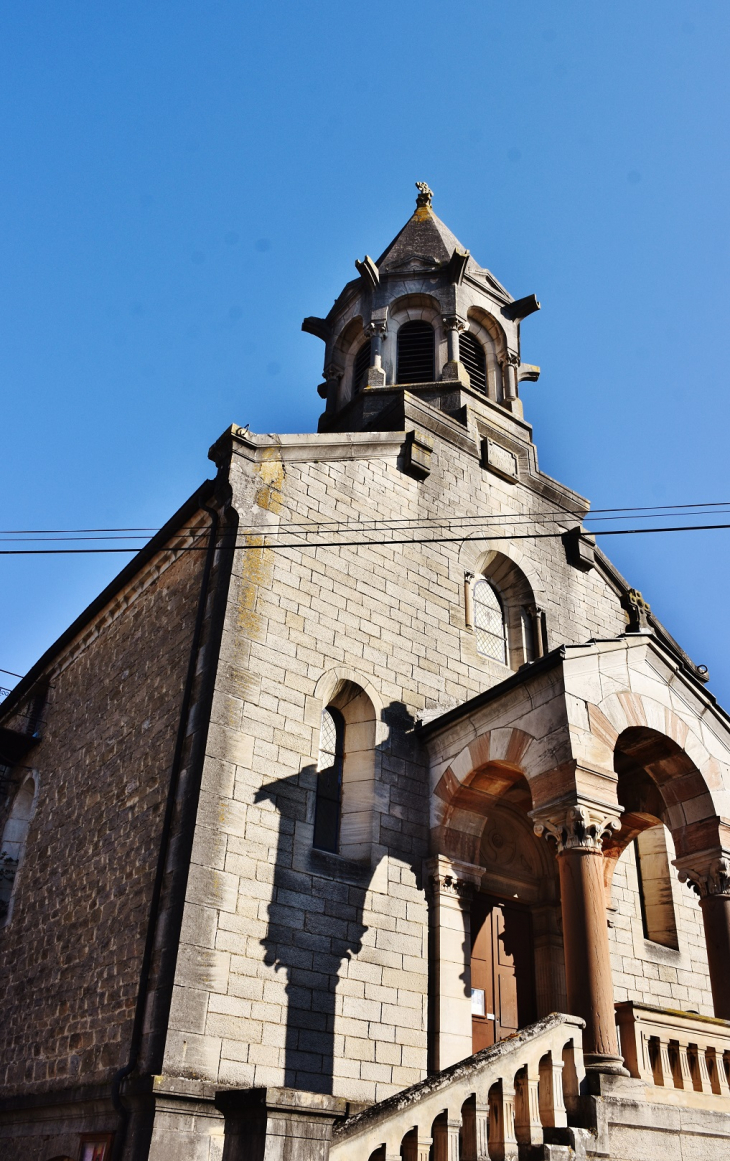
454, 368
579, 830
711, 880
452, 885
376, 375
509, 364
330, 389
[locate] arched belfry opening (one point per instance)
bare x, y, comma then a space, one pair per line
416, 352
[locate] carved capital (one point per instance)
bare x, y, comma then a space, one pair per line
452, 322
712, 879
579, 827
509, 359
376, 327
453, 879
333, 373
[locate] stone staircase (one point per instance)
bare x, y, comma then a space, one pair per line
504, 1103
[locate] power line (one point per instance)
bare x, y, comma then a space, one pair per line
360, 543
597, 513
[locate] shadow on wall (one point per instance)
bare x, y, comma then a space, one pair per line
315, 917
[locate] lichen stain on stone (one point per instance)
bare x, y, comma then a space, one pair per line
422, 214
258, 563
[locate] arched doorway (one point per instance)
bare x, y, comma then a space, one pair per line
517, 969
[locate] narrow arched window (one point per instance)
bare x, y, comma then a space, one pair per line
416, 362
360, 369
329, 781
471, 354
489, 623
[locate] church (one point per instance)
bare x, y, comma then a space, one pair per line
369, 813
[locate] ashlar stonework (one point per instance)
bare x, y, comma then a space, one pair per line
490, 916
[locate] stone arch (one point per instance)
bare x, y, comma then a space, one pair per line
409, 308
524, 621
492, 338
346, 346
676, 780
487, 769
362, 716
474, 557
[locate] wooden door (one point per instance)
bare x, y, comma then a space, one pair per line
502, 970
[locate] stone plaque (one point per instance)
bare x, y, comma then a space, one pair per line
498, 459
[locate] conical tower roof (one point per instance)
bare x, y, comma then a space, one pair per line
424, 236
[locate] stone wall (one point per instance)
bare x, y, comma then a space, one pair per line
71, 952
299, 968
648, 971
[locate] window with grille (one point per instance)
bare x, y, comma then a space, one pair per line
362, 363
329, 781
489, 622
471, 354
416, 362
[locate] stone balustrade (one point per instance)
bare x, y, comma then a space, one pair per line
677, 1052
482, 1108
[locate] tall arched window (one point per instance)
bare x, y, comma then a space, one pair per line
329, 781
489, 623
361, 365
416, 361
471, 354
15, 836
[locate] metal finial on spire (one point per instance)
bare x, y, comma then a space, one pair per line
424, 194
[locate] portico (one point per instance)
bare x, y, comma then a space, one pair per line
585, 748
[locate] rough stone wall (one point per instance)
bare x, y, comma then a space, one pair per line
648, 971
71, 952
296, 967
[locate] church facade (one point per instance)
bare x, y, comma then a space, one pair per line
370, 813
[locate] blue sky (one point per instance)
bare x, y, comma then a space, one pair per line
184, 182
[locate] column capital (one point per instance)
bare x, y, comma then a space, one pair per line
509, 359
333, 373
707, 877
376, 326
453, 878
453, 322
577, 825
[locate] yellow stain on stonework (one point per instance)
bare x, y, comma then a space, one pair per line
258, 566
422, 214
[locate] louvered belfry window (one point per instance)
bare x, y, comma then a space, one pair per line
471, 353
416, 362
489, 622
362, 363
329, 781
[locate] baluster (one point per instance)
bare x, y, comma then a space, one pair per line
664, 1074
684, 1076
722, 1073
552, 1106
474, 1137
703, 1075
502, 1140
528, 1126
446, 1138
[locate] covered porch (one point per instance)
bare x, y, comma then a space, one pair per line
587, 748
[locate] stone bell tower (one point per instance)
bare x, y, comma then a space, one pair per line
423, 317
